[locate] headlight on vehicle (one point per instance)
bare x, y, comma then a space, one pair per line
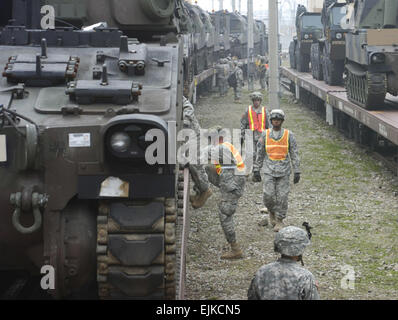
306, 36
378, 58
339, 36
120, 142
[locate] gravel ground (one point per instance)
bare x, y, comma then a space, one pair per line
346, 195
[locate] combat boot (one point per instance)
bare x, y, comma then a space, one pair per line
272, 218
201, 199
235, 253
279, 225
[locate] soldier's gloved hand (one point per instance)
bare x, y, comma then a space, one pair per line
296, 178
256, 176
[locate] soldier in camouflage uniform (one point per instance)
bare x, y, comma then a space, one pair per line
197, 171
222, 77
253, 119
275, 150
228, 175
239, 81
262, 73
285, 279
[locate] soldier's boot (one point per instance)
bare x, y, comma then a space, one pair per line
272, 219
201, 199
235, 253
279, 225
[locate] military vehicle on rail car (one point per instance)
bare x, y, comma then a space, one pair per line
309, 29
371, 68
77, 107
221, 22
328, 54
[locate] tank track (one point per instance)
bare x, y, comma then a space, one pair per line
137, 248
368, 90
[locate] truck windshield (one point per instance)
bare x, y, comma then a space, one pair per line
312, 21
337, 15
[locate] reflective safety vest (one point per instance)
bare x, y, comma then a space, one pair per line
238, 158
277, 149
256, 121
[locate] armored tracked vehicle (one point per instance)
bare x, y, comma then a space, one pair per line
371, 67
83, 189
309, 30
328, 54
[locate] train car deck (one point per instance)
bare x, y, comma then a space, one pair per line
384, 120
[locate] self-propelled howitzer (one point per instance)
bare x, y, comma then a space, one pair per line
78, 191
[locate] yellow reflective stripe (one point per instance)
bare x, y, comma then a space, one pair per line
238, 158
251, 124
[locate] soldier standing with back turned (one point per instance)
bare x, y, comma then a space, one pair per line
285, 279
275, 150
239, 81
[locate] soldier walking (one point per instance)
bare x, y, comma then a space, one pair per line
197, 171
226, 173
263, 70
275, 150
285, 279
255, 118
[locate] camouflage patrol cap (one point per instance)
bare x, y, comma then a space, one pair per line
291, 241
256, 96
277, 114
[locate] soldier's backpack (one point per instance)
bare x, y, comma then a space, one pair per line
232, 82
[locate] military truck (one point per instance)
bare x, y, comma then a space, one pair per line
328, 54
82, 189
221, 21
263, 38
371, 67
199, 38
309, 30
238, 35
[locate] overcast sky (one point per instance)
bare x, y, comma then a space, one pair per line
257, 4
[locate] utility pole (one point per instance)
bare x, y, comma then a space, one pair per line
273, 45
250, 46
240, 6
233, 5
221, 4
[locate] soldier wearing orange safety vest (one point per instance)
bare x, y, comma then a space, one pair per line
276, 152
256, 119
226, 172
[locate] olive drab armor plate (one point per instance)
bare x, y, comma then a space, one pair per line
78, 192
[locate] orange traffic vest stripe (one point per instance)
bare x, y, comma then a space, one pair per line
277, 149
238, 158
256, 121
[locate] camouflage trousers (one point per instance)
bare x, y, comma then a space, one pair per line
231, 187
262, 83
275, 194
199, 177
238, 92
223, 86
